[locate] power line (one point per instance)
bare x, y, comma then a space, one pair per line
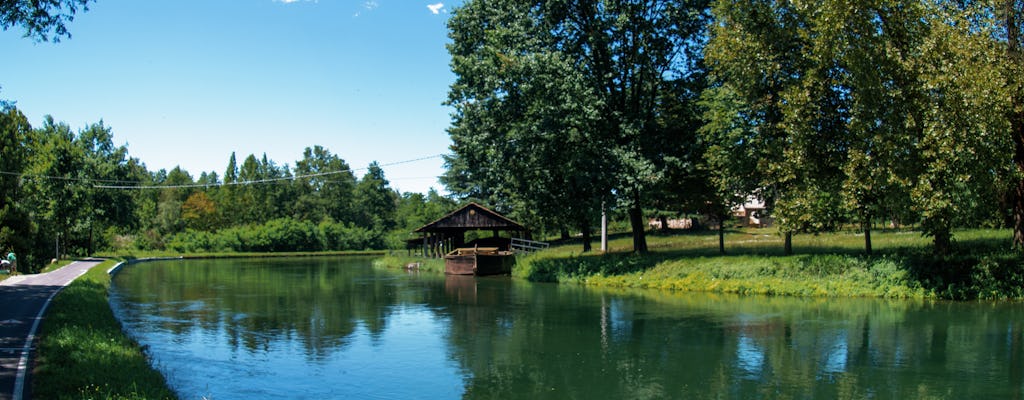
137, 185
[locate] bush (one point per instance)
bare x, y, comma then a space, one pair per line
278, 235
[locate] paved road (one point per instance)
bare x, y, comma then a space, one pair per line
23, 300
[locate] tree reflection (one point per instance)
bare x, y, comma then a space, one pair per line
512, 339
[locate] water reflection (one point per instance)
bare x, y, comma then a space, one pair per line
327, 328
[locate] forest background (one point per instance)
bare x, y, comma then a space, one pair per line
834, 114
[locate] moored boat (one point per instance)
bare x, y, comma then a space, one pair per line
478, 261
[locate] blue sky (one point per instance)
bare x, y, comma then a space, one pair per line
187, 82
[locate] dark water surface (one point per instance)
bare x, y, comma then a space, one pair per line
319, 328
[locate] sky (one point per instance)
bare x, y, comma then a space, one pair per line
187, 82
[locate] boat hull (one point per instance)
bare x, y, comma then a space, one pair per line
479, 264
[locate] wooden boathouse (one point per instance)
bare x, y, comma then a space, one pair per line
492, 255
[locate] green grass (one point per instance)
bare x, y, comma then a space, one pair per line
83, 353
827, 265
394, 260
139, 254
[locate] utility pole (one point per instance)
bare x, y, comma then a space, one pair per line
604, 229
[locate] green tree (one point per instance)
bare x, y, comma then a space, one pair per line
755, 54
324, 185
16, 226
227, 196
885, 104
106, 209
375, 203
1011, 21
557, 103
964, 141
414, 210
57, 189
168, 208
250, 193
41, 18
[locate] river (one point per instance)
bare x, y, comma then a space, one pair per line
319, 328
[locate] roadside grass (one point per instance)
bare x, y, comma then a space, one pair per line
982, 265
84, 354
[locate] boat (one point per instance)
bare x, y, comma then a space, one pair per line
479, 261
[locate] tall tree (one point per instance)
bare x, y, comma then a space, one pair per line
375, 202
885, 104
524, 132
963, 144
168, 207
755, 55
1011, 14
324, 186
16, 227
588, 73
57, 186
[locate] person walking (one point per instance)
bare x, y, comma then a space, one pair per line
13, 260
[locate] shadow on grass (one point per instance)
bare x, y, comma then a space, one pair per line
979, 267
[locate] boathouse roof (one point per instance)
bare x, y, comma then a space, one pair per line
471, 217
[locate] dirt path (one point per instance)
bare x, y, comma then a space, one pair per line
23, 300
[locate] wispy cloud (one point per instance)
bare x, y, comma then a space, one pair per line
436, 8
369, 5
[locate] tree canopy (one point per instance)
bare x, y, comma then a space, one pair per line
558, 105
43, 20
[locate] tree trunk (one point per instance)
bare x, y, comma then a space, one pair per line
565, 234
788, 247
867, 239
942, 241
1015, 60
721, 234
1018, 197
664, 223
585, 229
636, 220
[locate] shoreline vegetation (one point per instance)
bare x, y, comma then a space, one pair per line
84, 353
80, 332
903, 265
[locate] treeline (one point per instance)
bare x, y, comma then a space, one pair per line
75, 193
833, 113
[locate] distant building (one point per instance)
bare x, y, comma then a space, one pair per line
752, 213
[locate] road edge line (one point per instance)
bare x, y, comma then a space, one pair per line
19, 382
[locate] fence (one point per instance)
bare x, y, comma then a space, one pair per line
527, 246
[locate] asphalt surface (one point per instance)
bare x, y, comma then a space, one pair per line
22, 302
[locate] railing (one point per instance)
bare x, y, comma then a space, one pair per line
527, 246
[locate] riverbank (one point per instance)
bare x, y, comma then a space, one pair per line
141, 255
982, 266
83, 353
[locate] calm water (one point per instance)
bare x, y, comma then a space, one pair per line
318, 328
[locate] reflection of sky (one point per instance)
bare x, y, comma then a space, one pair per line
622, 323
749, 357
834, 361
202, 361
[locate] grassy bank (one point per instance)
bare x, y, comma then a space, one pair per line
139, 254
411, 262
82, 352
902, 266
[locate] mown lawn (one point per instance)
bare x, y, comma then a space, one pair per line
901, 266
